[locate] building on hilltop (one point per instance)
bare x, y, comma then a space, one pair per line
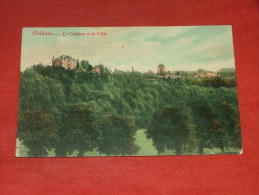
207, 74
65, 61
160, 69
172, 76
96, 69
168, 74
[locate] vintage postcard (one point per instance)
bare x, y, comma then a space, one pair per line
128, 91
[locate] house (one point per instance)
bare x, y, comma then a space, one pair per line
206, 74
96, 69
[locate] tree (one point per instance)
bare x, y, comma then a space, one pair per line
231, 124
170, 128
38, 132
117, 135
51, 89
209, 129
79, 131
84, 65
103, 69
227, 72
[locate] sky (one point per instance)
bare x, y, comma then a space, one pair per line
178, 47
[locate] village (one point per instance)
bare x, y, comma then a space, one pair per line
70, 63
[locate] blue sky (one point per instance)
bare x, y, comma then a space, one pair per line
178, 48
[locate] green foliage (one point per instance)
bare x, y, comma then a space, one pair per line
170, 128
79, 130
38, 132
227, 72
53, 90
117, 136
218, 82
209, 131
84, 65
231, 123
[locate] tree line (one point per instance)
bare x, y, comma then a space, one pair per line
77, 110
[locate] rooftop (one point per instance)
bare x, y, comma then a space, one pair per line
65, 57
161, 65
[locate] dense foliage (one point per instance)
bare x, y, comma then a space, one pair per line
125, 101
78, 131
170, 128
38, 132
117, 136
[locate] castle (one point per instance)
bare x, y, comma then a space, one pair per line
70, 63
65, 61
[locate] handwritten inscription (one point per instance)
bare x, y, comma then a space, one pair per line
45, 33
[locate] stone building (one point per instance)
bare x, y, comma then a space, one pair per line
160, 69
96, 70
207, 74
65, 61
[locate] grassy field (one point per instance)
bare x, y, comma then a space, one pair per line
146, 148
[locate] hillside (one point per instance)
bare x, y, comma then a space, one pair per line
52, 90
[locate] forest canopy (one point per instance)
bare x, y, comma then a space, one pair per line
79, 107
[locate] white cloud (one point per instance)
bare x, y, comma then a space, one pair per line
215, 47
126, 47
213, 65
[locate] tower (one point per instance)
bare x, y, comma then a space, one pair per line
160, 69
